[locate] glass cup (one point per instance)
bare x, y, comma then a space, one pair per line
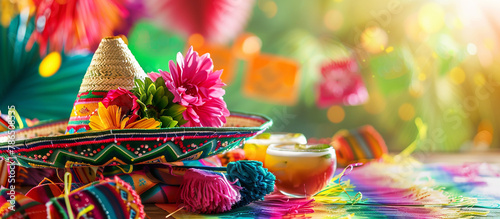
301, 170
255, 148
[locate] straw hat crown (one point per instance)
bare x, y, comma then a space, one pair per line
112, 66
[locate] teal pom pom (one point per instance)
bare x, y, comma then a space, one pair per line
256, 180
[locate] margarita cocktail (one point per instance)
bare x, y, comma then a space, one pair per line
301, 170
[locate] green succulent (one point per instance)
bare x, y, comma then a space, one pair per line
156, 102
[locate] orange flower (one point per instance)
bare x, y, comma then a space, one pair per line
110, 118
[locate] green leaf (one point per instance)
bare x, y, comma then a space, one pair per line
147, 82
143, 97
137, 90
143, 106
175, 110
139, 83
173, 124
158, 95
167, 121
163, 103
160, 82
149, 101
170, 95
181, 120
151, 89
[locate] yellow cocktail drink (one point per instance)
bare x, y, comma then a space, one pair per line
255, 149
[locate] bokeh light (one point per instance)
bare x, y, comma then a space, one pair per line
252, 45
247, 45
333, 19
374, 39
50, 64
479, 79
416, 89
412, 28
457, 75
196, 40
485, 57
335, 114
389, 49
269, 7
406, 112
471, 49
422, 76
431, 17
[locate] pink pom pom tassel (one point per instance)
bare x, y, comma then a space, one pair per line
208, 192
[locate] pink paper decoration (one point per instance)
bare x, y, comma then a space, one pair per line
341, 84
217, 21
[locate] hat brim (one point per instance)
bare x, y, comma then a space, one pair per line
135, 146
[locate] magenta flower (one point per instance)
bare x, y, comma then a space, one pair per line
196, 86
341, 84
122, 98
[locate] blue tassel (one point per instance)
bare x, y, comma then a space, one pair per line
256, 180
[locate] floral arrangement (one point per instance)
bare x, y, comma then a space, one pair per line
190, 95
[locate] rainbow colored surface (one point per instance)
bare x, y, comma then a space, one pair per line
390, 190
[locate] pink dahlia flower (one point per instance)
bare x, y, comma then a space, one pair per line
196, 86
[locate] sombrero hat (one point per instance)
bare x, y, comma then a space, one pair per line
113, 66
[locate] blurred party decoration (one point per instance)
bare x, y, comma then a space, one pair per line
22, 71
76, 24
361, 145
393, 71
272, 78
247, 45
341, 84
216, 21
112, 66
136, 11
152, 45
221, 55
311, 52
